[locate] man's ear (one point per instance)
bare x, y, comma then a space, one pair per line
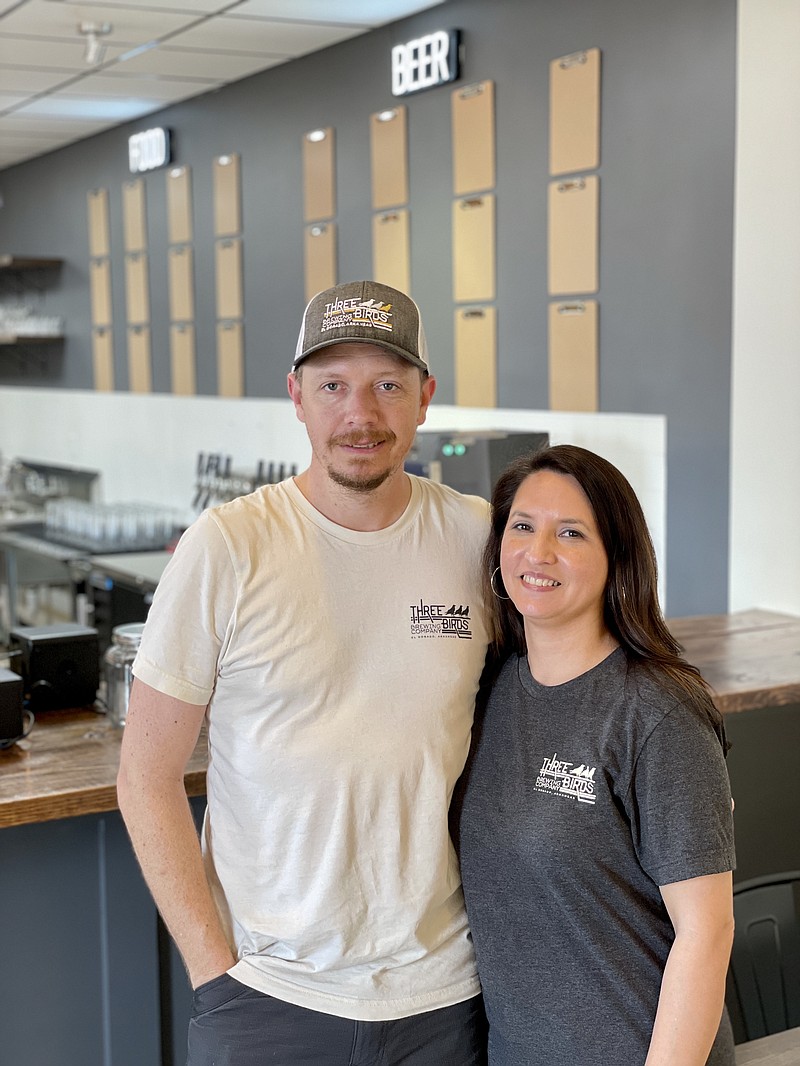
296, 394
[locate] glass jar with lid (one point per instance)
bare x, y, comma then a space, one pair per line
117, 662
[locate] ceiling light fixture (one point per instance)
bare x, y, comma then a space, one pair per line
95, 48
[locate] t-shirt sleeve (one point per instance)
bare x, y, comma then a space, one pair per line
189, 620
680, 801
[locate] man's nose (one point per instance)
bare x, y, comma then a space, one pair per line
362, 407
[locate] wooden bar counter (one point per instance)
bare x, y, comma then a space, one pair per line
751, 658
67, 766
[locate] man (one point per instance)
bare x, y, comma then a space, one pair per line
330, 631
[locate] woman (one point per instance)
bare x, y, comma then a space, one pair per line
596, 829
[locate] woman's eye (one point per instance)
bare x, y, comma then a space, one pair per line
572, 533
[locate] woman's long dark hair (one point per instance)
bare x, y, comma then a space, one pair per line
630, 611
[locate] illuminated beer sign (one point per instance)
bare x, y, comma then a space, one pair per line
148, 150
425, 62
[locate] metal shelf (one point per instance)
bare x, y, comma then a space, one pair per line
23, 262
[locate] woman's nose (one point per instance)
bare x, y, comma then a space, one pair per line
540, 546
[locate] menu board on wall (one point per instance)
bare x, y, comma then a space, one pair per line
572, 356
319, 185
572, 236
472, 112
390, 249
476, 356
227, 196
474, 249
575, 112
388, 142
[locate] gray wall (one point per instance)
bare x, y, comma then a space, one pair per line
666, 223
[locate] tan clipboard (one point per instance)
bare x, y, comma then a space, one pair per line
97, 206
572, 356
391, 249
140, 377
319, 183
227, 195
103, 359
134, 219
388, 143
181, 287
472, 115
474, 249
575, 112
572, 236
476, 356
100, 291
179, 205
230, 359
182, 358
136, 288
319, 257
228, 255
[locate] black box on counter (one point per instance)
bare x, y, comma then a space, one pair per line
10, 705
60, 665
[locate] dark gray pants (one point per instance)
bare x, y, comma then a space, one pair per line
233, 1025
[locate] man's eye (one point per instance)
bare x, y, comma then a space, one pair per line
331, 386
388, 386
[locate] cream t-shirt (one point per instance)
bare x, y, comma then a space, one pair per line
340, 670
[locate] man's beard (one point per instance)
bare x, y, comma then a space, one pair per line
365, 482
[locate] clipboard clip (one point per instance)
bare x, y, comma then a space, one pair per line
572, 309
573, 60
319, 229
472, 201
316, 135
473, 312
575, 183
387, 115
471, 90
390, 216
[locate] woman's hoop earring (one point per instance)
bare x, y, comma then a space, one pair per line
494, 590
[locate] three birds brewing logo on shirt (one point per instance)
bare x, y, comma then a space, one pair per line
556, 776
439, 620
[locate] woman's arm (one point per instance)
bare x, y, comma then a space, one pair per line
693, 987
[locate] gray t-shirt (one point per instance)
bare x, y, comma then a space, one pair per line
580, 800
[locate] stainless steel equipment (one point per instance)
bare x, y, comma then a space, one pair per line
469, 460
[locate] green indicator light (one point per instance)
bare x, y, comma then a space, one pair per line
460, 449
447, 449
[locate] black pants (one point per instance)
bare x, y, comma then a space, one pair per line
233, 1025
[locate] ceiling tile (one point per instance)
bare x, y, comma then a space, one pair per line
256, 35
224, 66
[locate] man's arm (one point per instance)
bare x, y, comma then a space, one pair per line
159, 738
693, 987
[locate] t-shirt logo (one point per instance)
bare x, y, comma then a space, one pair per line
440, 620
556, 777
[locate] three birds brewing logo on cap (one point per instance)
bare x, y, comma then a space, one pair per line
342, 314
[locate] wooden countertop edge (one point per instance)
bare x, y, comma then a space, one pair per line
90, 800
754, 698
